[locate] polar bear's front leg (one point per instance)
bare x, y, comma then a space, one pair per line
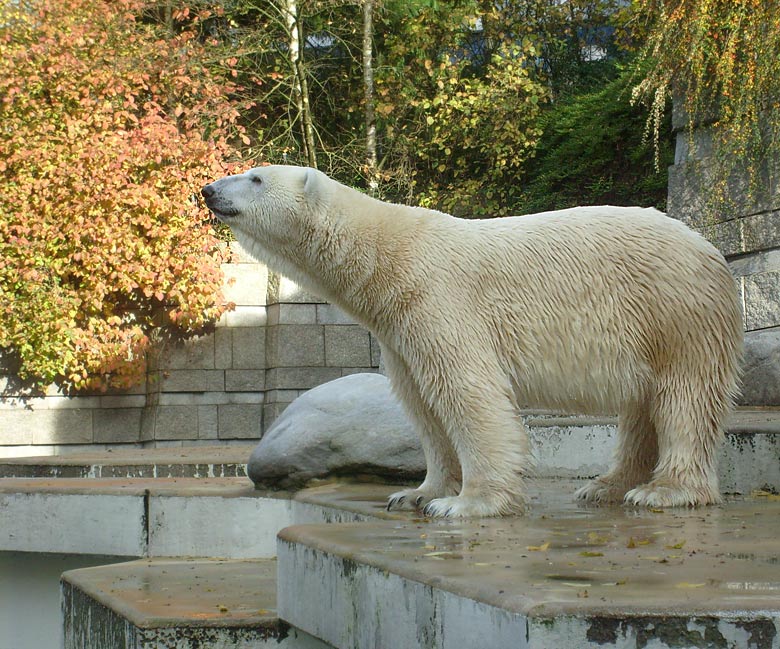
492, 445
441, 477
442, 467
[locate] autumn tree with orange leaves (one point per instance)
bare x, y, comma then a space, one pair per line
110, 123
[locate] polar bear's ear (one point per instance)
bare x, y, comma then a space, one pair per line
312, 185
309, 180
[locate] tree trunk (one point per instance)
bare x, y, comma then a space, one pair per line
300, 84
368, 86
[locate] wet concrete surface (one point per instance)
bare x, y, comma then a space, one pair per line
348, 495
566, 558
156, 593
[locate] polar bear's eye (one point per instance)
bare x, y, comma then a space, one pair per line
257, 179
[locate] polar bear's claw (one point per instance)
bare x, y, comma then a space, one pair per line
430, 511
601, 490
407, 499
413, 499
395, 501
471, 507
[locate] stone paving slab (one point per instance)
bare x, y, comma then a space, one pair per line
221, 487
218, 517
176, 603
565, 575
162, 592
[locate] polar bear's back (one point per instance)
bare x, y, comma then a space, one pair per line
589, 304
589, 256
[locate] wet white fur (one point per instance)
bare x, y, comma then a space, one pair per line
594, 310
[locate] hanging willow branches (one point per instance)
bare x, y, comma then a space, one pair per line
721, 60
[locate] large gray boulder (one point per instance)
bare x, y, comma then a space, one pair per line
761, 374
348, 427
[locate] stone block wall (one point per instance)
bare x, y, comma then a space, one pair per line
309, 342
224, 387
748, 234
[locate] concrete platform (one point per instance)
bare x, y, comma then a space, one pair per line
176, 604
162, 517
173, 462
563, 576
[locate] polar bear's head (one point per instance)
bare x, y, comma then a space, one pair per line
274, 211
257, 199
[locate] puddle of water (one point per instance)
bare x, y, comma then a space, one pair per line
30, 616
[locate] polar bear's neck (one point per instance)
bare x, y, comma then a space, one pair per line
361, 249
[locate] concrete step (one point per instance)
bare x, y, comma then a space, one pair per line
164, 517
564, 447
177, 603
565, 576
582, 447
172, 462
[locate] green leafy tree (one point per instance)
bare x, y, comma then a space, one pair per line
594, 151
110, 124
480, 133
455, 129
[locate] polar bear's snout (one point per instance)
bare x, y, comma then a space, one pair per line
221, 207
208, 191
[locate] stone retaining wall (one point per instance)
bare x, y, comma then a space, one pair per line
748, 234
224, 387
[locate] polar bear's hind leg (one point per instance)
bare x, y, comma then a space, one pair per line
688, 415
636, 456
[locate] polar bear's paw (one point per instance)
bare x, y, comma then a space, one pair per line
657, 494
410, 499
602, 490
471, 507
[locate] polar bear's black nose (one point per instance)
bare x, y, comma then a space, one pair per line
207, 191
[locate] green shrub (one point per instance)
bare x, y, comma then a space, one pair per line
595, 150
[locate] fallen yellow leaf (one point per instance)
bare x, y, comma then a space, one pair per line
633, 543
538, 548
768, 495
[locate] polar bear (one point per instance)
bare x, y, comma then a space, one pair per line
598, 310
